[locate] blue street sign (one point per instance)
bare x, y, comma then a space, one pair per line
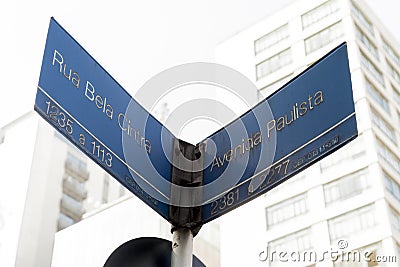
307, 119
85, 104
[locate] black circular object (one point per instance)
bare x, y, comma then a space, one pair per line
144, 252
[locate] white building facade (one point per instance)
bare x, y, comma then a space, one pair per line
46, 186
349, 201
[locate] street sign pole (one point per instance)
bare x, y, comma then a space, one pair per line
186, 221
182, 248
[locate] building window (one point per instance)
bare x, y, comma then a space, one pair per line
350, 223
73, 191
360, 257
75, 167
396, 95
392, 186
76, 162
297, 242
388, 156
64, 221
351, 152
378, 97
319, 13
360, 16
122, 191
71, 207
367, 42
273, 63
398, 248
271, 39
323, 37
272, 87
395, 219
286, 210
74, 188
346, 187
106, 188
393, 72
390, 51
371, 259
372, 69
383, 126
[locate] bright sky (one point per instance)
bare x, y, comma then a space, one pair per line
132, 40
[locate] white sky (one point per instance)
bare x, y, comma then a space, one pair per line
132, 40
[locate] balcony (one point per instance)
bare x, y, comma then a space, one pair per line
64, 221
77, 171
71, 207
74, 188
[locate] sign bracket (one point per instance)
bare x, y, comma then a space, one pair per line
187, 165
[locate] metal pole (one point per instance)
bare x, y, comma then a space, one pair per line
182, 248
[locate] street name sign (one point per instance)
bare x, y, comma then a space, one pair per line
305, 120
87, 106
